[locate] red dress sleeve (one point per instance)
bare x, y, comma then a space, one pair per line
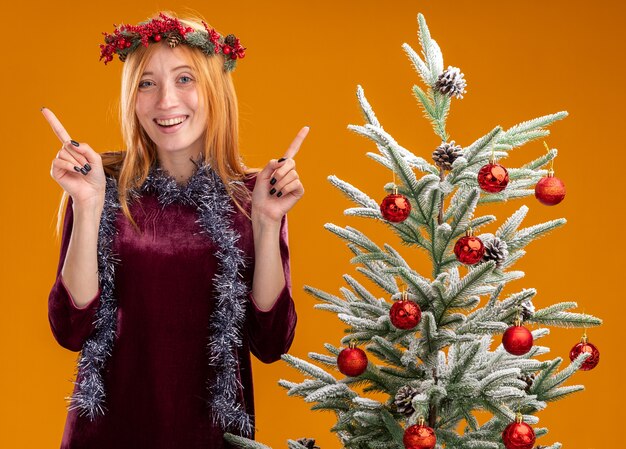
70, 324
271, 332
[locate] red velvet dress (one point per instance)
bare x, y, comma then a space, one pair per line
156, 376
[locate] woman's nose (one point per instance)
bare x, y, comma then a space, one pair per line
167, 97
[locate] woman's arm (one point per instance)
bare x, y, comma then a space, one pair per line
73, 301
80, 270
277, 189
269, 278
78, 169
272, 318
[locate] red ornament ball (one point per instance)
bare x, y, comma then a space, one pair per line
518, 435
352, 361
419, 437
493, 178
405, 314
157, 37
550, 190
517, 340
469, 250
395, 207
585, 346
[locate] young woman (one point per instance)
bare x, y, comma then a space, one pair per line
174, 258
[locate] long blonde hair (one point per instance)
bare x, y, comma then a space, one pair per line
221, 146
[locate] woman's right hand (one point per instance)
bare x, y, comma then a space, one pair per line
87, 186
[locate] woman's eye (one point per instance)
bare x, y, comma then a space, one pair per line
144, 83
187, 78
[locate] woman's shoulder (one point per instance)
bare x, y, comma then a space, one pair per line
112, 162
249, 178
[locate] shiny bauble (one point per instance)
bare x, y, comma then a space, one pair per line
550, 190
517, 340
405, 314
419, 437
469, 250
493, 178
352, 361
395, 207
518, 435
585, 346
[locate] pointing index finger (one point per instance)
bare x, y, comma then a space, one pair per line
56, 125
295, 145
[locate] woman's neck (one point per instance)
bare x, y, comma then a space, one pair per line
180, 167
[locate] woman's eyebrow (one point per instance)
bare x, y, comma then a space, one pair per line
173, 70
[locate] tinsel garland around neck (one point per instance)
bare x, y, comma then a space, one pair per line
204, 190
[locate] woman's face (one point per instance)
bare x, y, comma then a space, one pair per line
168, 106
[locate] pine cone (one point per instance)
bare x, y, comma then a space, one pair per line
174, 39
451, 82
309, 443
528, 309
529, 379
230, 40
496, 250
445, 154
122, 56
403, 400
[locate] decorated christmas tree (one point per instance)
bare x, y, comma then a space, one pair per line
449, 345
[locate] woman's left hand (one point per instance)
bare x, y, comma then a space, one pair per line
278, 187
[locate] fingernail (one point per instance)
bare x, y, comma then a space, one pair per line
279, 194
42, 108
281, 159
77, 168
272, 191
83, 171
273, 181
74, 143
87, 167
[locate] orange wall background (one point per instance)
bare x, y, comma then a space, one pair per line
521, 59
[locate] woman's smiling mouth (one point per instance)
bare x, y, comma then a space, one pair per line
171, 125
171, 121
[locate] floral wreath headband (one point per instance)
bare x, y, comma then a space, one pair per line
126, 38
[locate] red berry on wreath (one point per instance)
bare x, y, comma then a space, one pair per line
405, 314
518, 435
493, 178
395, 207
419, 436
585, 346
352, 361
469, 249
550, 190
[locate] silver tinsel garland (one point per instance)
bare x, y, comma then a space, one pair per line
207, 193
